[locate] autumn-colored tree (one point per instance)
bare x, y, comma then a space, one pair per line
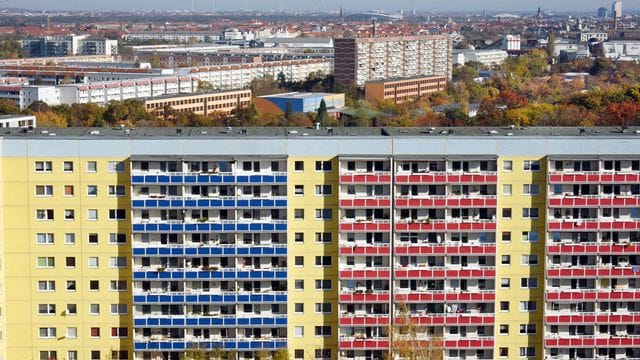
50, 119
621, 114
410, 341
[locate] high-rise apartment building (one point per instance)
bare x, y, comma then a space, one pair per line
491, 243
358, 60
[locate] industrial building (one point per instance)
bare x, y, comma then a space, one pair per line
401, 90
499, 243
299, 102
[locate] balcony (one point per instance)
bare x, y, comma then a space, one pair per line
362, 343
179, 226
480, 201
574, 295
364, 320
365, 225
238, 320
447, 225
368, 202
378, 273
484, 342
462, 319
556, 317
366, 178
593, 249
210, 250
183, 344
480, 249
593, 271
223, 298
369, 249
592, 341
178, 202
200, 179
366, 296
430, 273
447, 296
593, 224
222, 274
449, 177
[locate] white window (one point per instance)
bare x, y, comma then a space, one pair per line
44, 238
92, 214
298, 284
119, 309
94, 309
529, 283
67, 166
72, 332
530, 213
528, 306
323, 190
298, 331
46, 262
92, 166
323, 308
323, 166
529, 260
115, 166
118, 285
298, 190
530, 236
46, 309
116, 190
47, 332
505, 283
71, 285
72, 355
44, 190
117, 238
92, 190
46, 285
298, 214
531, 165
506, 189
69, 214
44, 214
298, 308
93, 262
118, 262
531, 189
43, 166
72, 309
507, 165
69, 238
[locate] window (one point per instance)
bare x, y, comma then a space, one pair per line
528, 306
531, 189
118, 285
117, 214
119, 332
94, 309
95, 355
299, 261
72, 309
298, 214
323, 308
69, 238
298, 190
70, 261
94, 285
531, 165
298, 354
506, 236
530, 213
505, 259
47, 332
507, 165
324, 214
323, 190
43, 166
119, 309
115, 166
324, 237
322, 354
529, 351
116, 190
46, 262
44, 214
69, 214
323, 284
505, 283
67, 166
506, 189
92, 214
46, 309
71, 285
72, 332
94, 332
92, 190
72, 354
93, 262
529, 260
48, 355
298, 284
506, 213
529, 283
299, 308
504, 329
527, 329
298, 166
93, 239
298, 331
44, 190
118, 262
298, 237
503, 352
92, 166
68, 190
323, 330
530, 236
323, 260
323, 166
117, 238
504, 306
46, 285
44, 238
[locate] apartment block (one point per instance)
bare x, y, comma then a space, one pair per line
206, 103
358, 60
402, 90
326, 243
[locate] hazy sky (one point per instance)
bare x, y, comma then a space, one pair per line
467, 5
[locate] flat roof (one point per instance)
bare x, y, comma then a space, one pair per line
397, 79
298, 95
185, 95
289, 132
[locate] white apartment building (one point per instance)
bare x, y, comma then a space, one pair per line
485, 57
17, 121
511, 43
68, 45
599, 36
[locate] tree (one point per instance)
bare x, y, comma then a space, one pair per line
50, 119
288, 110
282, 79
8, 107
322, 116
410, 341
551, 44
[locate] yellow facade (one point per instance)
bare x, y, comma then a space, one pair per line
32, 309
512, 240
309, 249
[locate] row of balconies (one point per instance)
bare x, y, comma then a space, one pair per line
168, 243
223, 298
460, 319
240, 166
408, 273
450, 248
436, 296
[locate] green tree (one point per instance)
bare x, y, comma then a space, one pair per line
288, 110
282, 79
8, 107
322, 116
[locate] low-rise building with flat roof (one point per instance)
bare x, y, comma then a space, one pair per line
401, 90
202, 103
300, 102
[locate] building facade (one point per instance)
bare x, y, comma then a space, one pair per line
401, 90
358, 60
206, 103
68, 45
144, 243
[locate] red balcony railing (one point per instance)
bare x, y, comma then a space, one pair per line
593, 225
482, 343
442, 273
362, 344
588, 272
365, 179
441, 296
364, 320
442, 225
374, 297
591, 318
489, 249
449, 319
482, 202
626, 201
592, 249
365, 226
364, 250
366, 203
365, 274
443, 178
593, 295
591, 341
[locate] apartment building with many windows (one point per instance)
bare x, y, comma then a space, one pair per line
492, 243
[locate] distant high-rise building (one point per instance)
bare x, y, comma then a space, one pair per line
358, 60
602, 12
616, 12
511, 43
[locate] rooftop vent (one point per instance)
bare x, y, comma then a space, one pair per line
493, 132
44, 132
293, 132
509, 134
94, 132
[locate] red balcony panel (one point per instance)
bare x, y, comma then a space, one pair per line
363, 344
364, 274
618, 249
555, 178
364, 298
364, 321
365, 226
571, 342
463, 273
576, 295
365, 179
570, 319
618, 342
469, 344
364, 250
430, 297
